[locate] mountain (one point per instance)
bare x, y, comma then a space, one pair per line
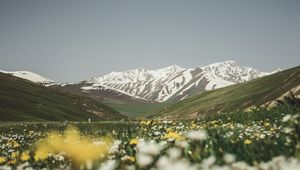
174, 82
260, 91
126, 104
171, 83
139, 91
22, 100
30, 76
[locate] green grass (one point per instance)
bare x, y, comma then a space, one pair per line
21, 100
134, 109
239, 96
226, 134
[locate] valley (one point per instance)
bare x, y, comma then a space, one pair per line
224, 115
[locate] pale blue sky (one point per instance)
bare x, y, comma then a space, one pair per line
74, 40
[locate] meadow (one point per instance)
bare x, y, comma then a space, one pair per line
258, 138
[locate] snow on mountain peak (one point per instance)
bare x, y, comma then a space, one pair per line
29, 76
172, 82
176, 82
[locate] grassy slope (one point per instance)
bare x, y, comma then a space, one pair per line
21, 100
134, 109
255, 92
131, 107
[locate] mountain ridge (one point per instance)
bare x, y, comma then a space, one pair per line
160, 85
22, 100
263, 91
175, 82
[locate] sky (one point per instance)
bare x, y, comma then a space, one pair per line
75, 40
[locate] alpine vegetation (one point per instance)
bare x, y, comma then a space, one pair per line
260, 138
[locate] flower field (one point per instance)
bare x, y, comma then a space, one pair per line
257, 139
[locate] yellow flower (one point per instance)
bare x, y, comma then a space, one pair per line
25, 156
133, 141
131, 158
79, 148
247, 142
173, 135
2, 160
146, 122
14, 155
194, 125
41, 153
267, 124
14, 144
169, 130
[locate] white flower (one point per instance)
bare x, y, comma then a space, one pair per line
157, 133
286, 118
181, 144
108, 165
208, 162
288, 130
174, 153
115, 146
167, 164
229, 158
143, 159
150, 148
262, 136
197, 135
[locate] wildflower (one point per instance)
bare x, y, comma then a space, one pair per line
229, 158
25, 156
146, 122
143, 159
131, 158
15, 144
208, 162
2, 160
197, 135
133, 141
156, 133
41, 153
167, 164
262, 136
286, 118
174, 136
288, 130
247, 142
128, 158
108, 165
174, 153
150, 148
114, 147
80, 149
14, 155
169, 130
181, 144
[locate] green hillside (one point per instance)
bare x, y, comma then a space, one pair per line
134, 109
239, 96
21, 100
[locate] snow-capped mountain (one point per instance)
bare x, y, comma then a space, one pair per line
174, 82
29, 76
159, 85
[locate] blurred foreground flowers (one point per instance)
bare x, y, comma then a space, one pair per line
262, 140
82, 150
